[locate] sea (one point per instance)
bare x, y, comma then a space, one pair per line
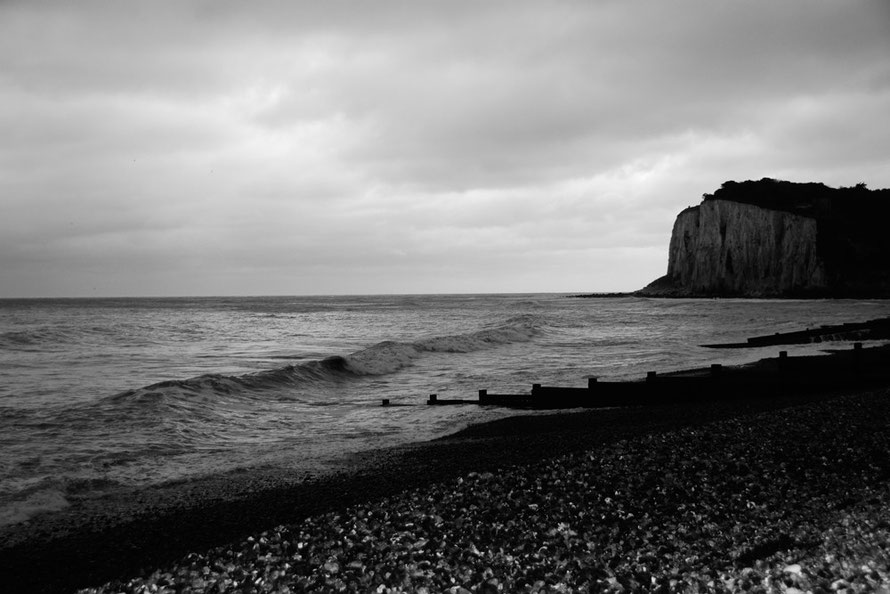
102, 395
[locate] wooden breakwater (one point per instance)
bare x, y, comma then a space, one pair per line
878, 329
855, 368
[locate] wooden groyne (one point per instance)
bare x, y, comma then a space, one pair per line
878, 329
857, 368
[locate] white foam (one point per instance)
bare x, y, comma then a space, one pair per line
391, 356
38, 502
382, 358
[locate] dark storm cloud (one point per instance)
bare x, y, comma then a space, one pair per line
434, 146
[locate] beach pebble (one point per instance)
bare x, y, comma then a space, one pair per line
668, 512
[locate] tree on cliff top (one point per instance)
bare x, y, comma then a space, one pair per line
810, 199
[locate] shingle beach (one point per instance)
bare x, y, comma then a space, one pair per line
790, 496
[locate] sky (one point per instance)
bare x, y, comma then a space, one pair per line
289, 148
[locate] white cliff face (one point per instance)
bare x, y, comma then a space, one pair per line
724, 247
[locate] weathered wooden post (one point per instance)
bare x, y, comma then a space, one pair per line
591, 383
716, 378
385, 402
433, 399
783, 362
483, 396
651, 390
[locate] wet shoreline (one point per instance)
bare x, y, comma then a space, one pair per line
106, 539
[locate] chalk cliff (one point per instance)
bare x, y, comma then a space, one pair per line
778, 239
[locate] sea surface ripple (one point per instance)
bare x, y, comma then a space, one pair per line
105, 394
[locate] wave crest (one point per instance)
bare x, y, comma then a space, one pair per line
388, 356
379, 359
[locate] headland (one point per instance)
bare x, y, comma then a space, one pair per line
773, 238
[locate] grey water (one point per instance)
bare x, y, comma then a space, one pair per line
103, 394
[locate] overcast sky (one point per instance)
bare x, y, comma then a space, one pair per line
255, 148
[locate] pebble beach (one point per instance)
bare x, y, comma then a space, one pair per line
790, 496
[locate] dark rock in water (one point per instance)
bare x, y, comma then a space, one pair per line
772, 238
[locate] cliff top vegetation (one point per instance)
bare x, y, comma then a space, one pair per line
810, 199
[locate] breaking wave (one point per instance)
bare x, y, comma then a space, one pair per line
389, 356
379, 359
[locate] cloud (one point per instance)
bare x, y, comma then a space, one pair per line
315, 147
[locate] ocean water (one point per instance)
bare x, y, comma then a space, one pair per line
105, 394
